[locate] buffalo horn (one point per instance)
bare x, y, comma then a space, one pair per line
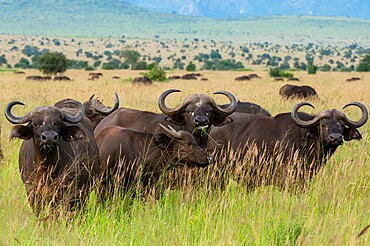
13, 119
92, 97
76, 118
106, 110
298, 121
233, 103
360, 122
162, 105
171, 131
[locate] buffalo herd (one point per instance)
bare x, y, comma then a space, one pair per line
71, 148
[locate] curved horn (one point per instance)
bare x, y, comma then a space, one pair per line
233, 102
171, 131
298, 121
162, 105
361, 121
107, 110
92, 96
13, 119
76, 118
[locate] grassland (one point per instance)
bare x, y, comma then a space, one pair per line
332, 210
116, 19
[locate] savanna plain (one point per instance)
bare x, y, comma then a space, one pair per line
204, 209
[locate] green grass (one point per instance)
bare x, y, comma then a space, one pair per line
206, 209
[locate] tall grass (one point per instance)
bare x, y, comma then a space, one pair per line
211, 206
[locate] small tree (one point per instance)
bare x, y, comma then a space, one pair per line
53, 63
364, 65
130, 57
156, 73
191, 67
311, 69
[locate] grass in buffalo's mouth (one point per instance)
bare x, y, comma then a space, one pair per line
48, 147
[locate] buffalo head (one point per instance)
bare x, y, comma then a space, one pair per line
198, 110
332, 126
183, 145
96, 111
46, 125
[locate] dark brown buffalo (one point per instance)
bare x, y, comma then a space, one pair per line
95, 110
314, 138
39, 78
303, 91
203, 79
95, 74
353, 79
174, 77
242, 78
197, 110
61, 78
278, 79
189, 76
116, 77
254, 76
142, 80
128, 154
19, 72
249, 108
293, 79
59, 158
94, 77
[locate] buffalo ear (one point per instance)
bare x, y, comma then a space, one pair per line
177, 119
351, 133
221, 119
71, 133
22, 132
162, 140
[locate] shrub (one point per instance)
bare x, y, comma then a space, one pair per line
364, 65
156, 73
311, 69
277, 72
53, 63
191, 67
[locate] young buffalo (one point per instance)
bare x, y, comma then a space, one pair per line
127, 154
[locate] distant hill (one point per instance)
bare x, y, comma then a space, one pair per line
244, 8
118, 18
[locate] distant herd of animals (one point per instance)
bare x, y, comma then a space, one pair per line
71, 147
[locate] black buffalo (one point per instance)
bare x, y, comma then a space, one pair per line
196, 114
304, 91
249, 108
314, 138
59, 158
142, 80
95, 110
128, 154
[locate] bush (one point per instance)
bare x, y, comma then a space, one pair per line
156, 73
53, 63
364, 65
277, 72
191, 67
311, 69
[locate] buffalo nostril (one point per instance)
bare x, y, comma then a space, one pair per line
55, 137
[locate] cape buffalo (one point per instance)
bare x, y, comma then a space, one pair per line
95, 111
142, 80
127, 154
196, 114
304, 91
313, 137
58, 159
249, 108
